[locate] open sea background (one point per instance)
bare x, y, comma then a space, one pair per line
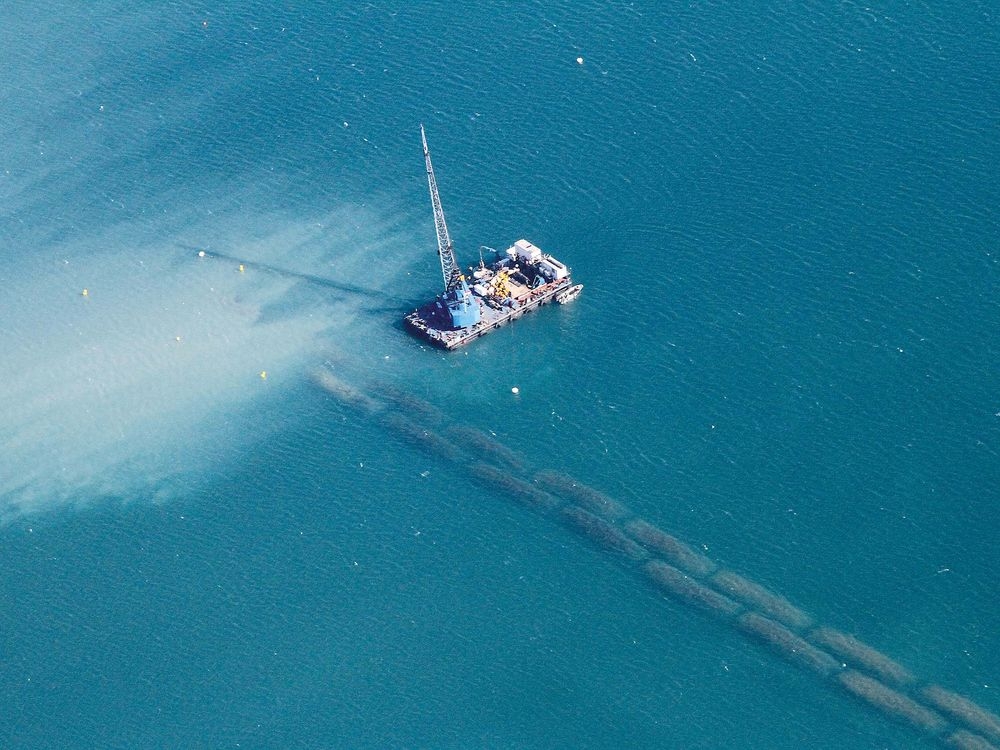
786, 354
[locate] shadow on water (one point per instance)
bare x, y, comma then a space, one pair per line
398, 305
305, 297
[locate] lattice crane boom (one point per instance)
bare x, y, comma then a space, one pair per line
449, 266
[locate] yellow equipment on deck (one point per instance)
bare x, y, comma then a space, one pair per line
501, 289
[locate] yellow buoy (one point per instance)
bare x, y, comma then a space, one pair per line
242, 269
85, 293
263, 374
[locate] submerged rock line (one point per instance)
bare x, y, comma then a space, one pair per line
684, 575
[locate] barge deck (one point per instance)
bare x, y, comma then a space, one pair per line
504, 291
515, 283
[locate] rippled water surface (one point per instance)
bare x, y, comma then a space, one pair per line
785, 355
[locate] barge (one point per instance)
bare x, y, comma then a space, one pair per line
514, 283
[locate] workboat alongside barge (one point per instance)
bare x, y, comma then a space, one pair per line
514, 283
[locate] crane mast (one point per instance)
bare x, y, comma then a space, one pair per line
449, 266
516, 282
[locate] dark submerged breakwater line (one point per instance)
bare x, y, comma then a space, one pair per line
682, 574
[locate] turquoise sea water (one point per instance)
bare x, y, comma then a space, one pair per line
786, 354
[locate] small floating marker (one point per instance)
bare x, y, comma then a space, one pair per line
242, 268
515, 390
579, 61
85, 293
177, 338
263, 374
201, 253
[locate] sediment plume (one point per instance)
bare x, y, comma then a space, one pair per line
584, 496
527, 493
788, 645
685, 589
862, 656
965, 740
674, 550
891, 702
477, 441
755, 595
963, 710
603, 533
421, 437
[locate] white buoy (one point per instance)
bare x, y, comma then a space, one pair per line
515, 390
201, 253
579, 61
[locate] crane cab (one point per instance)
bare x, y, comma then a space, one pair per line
462, 307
